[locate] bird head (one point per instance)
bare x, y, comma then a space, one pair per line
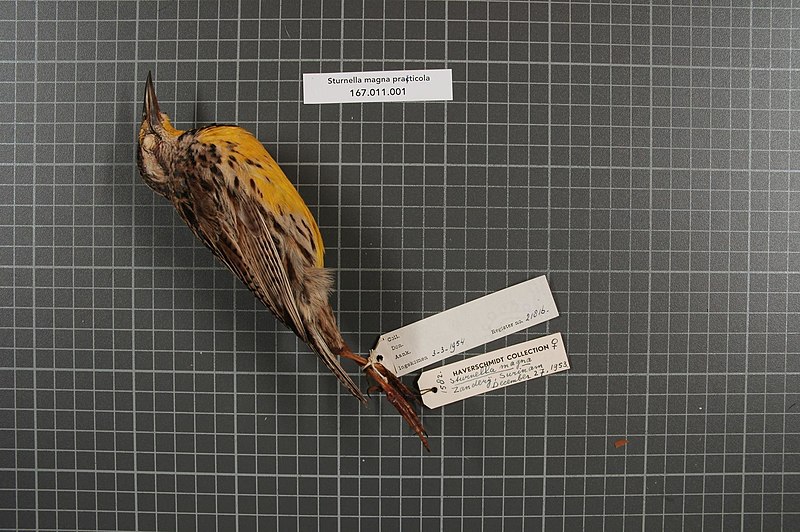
158, 142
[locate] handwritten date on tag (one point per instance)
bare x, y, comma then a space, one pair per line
466, 326
494, 370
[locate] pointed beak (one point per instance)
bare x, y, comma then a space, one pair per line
151, 112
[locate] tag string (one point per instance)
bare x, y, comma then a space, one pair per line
371, 360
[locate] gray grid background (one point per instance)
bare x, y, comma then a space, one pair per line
639, 155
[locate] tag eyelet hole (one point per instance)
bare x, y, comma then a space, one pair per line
434, 389
379, 358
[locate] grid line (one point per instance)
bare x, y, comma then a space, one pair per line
639, 154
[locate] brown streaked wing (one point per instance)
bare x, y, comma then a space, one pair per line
236, 227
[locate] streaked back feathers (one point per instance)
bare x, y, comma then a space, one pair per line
247, 157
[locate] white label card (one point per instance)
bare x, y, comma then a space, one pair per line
494, 370
378, 86
466, 326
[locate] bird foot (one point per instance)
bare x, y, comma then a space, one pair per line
398, 394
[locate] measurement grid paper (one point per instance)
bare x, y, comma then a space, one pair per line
641, 155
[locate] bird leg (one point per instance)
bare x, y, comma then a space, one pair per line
398, 394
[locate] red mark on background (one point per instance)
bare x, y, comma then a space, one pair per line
621, 443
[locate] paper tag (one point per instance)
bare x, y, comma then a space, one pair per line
494, 370
378, 86
466, 326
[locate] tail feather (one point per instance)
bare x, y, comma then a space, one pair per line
331, 361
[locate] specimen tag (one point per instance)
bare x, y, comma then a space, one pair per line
378, 86
494, 370
474, 323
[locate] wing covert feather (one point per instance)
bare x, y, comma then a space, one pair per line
250, 240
